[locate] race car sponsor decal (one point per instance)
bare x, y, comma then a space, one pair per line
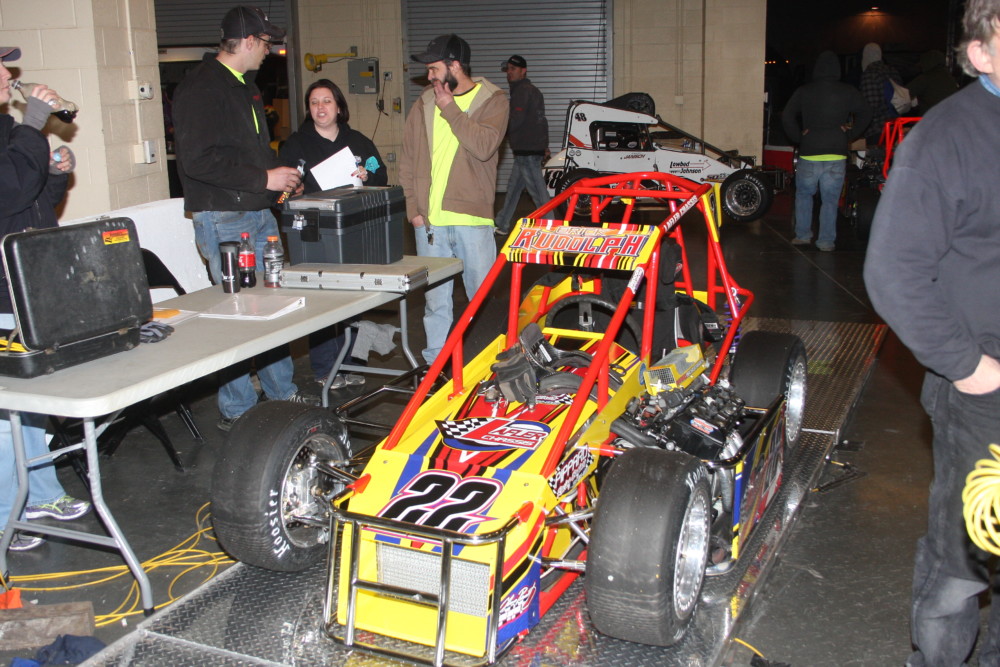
554, 399
520, 608
516, 603
443, 499
703, 426
700, 165
553, 242
570, 472
489, 434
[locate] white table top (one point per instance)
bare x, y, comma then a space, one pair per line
197, 347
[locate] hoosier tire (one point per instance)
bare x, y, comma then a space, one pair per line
267, 495
746, 195
768, 364
649, 546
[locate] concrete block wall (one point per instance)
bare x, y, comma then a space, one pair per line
701, 60
376, 28
81, 49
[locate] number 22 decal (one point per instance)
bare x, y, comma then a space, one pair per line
443, 499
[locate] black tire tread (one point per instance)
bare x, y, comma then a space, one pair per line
642, 504
242, 480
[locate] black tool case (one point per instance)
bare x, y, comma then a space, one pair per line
346, 226
79, 293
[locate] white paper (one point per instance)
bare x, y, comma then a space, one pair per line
336, 170
254, 306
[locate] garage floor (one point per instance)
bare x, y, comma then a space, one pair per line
837, 594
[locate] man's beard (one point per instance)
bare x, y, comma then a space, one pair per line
451, 81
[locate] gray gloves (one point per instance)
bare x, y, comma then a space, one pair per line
37, 113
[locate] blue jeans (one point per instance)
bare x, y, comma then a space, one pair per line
274, 369
950, 572
829, 178
43, 485
527, 172
474, 245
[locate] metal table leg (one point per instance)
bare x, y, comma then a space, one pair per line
116, 540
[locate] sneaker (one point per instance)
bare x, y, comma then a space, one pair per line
299, 397
825, 247
347, 380
801, 241
24, 541
64, 509
226, 423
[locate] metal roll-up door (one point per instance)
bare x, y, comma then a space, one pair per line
567, 45
197, 22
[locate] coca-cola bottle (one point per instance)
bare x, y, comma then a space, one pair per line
248, 262
62, 109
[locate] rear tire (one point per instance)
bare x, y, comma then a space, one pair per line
267, 495
746, 195
649, 546
768, 364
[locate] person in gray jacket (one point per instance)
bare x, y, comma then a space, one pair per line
528, 134
823, 117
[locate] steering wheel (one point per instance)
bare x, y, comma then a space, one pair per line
586, 304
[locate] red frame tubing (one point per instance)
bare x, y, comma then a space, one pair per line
453, 349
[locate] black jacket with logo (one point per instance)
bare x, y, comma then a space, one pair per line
222, 157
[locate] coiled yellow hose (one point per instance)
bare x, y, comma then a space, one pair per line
981, 501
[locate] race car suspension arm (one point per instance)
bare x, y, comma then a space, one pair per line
574, 520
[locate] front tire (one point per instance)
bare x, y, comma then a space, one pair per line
267, 495
649, 546
583, 203
768, 364
746, 195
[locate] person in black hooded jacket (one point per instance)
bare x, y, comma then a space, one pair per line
823, 117
323, 133
32, 182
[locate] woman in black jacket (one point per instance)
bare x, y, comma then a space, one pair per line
322, 134
326, 132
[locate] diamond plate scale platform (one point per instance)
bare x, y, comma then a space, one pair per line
248, 616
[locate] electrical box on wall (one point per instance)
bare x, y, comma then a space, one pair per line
363, 76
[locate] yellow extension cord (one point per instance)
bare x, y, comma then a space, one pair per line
186, 555
981, 501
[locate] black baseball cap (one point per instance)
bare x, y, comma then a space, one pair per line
241, 22
9, 53
516, 61
445, 47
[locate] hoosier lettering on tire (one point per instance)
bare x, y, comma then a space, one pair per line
269, 500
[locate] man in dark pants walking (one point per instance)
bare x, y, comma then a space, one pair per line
932, 271
528, 134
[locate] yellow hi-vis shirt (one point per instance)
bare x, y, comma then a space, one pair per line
442, 156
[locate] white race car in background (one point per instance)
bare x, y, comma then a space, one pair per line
624, 135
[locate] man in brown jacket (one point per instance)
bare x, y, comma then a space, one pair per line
449, 172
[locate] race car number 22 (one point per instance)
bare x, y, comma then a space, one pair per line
443, 499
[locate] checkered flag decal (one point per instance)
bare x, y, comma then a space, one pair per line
556, 399
458, 429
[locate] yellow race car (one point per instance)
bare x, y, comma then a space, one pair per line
613, 428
